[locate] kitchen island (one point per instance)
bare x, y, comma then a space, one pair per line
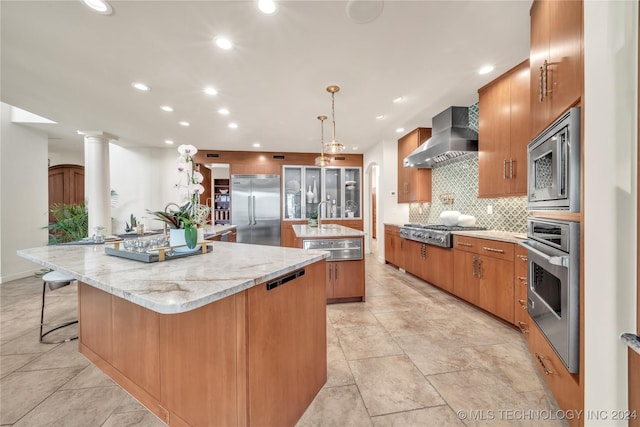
345, 264
233, 337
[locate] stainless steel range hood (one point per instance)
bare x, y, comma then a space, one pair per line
451, 137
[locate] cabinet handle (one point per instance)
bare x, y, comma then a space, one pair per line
336, 272
546, 371
545, 72
523, 304
330, 270
522, 280
464, 244
522, 257
521, 325
510, 168
500, 251
504, 169
540, 94
473, 267
480, 268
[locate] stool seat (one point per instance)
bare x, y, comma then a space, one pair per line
55, 280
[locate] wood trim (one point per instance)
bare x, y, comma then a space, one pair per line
242, 362
562, 215
266, 159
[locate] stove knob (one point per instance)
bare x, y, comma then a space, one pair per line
440, 239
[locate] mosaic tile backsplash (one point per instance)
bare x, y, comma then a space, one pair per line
459, 178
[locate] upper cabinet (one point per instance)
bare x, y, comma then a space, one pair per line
414, 184
305, 187
555, 60
503, 134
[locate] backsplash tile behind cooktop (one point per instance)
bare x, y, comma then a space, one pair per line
459, 177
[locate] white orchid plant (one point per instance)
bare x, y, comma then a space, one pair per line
190, 214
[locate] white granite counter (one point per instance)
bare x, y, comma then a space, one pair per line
177, 285
503, 236
395, 224
325, 230
218, 229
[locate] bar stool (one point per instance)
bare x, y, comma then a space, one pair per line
55, 280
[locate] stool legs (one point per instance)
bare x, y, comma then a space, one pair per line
56, 327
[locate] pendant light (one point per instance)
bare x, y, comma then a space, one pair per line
334, 146
322, 160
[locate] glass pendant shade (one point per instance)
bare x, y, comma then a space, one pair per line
333, 147
322, 161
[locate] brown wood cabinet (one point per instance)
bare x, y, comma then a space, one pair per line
504, 134
483, 274
563, 385
257, 357
393, 246
556, 61
414, 184
520, 315
430, 263
345, 279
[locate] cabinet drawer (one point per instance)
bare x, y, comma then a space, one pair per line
492, 248
563, 385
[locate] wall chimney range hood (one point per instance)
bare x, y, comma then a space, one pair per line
451, 137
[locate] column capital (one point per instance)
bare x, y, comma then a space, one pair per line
98, 134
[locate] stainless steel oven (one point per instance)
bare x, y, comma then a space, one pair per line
553, 159
553, 294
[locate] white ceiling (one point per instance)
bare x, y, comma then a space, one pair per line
66, 63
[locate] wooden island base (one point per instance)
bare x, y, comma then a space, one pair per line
257, 357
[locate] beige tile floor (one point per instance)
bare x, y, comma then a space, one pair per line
411, 355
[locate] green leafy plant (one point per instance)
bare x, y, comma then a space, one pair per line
313, 215
134, 223
71, 223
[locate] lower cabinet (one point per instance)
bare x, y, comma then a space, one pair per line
393, 246
520, 315
430, 263
483, 274
345, 279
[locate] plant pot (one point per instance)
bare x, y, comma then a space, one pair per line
313, 222
177, 238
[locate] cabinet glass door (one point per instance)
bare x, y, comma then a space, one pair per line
293, 198
332, 193
313, 190
352, 196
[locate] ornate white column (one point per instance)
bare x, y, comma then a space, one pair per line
97, 186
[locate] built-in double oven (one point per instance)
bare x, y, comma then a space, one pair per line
553, 245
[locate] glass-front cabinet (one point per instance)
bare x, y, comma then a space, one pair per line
304, 187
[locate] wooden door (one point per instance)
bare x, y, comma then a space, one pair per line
493, 143
406, 145
564, 76
348, 279
496, 287
539, 52
439, 267
66, 184
519, 130
465, 282
374, 214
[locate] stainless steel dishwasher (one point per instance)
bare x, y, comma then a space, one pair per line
339, 249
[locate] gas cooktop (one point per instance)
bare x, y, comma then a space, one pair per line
433, 234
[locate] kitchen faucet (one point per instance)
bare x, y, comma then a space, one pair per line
319, 211
164, 223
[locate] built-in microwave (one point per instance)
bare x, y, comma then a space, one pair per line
553, 160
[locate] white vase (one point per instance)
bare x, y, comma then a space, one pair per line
176, 238
315, 192
309, 195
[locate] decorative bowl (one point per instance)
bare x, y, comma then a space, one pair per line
466, 220
450, 218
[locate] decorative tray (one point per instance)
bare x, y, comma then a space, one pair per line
161, 254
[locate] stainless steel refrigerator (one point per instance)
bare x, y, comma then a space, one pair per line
255, 208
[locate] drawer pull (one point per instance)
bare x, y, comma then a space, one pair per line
500, 251
523, 280
523, 304
464, 244
546, 371
522, 257
522, 325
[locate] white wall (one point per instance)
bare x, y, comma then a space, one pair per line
610, 153
385, 155
144, 179
57, 157
23, 188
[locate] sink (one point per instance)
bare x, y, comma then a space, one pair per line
329, 226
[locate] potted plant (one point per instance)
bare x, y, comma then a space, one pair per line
313, 219
186, 222
71, 223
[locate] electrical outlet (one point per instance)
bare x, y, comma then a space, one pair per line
490, 209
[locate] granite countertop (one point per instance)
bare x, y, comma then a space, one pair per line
218, 229
395, 224
503, 236
326, 230
178, 285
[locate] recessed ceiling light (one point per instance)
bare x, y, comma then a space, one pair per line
167, 108
355, 148
398, 99
256, 144
183, 123
224, 43
168, 141
209, 90
486, 69
140, 86
223, 111
99, 6
233, 125
400, 130
380, 117
268, 7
